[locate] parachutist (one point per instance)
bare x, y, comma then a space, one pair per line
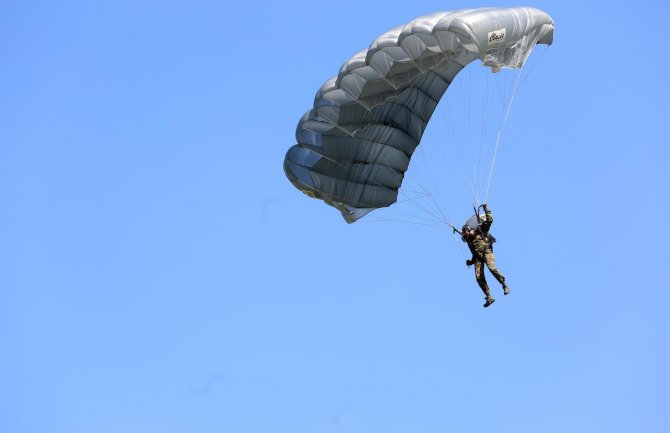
480, 243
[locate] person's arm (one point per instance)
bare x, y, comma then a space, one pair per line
488, 219
471, 261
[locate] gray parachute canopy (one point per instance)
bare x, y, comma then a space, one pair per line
355, 144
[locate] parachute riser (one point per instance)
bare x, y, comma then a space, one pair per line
479, 220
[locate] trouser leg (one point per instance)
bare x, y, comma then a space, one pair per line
481, 279
490, 260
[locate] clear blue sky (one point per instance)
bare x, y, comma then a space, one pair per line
158, 273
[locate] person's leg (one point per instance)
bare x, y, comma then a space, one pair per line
481, 280
490, 260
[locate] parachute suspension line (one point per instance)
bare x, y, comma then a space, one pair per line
404, 215
535, 62
436, 200
378, 218
468, 126
457, 144
447, 224
461, 90
466, 96
500, 130
440, 202
409, 199
487, 98
468, 111
437, 213
437, 217
446, 162
416, 177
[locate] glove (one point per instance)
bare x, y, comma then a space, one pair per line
468, 262
485, 206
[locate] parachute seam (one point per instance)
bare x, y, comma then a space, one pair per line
313, 149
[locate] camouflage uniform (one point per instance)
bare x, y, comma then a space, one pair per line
482, 253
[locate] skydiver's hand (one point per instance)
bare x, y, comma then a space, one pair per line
468, 262
485, 206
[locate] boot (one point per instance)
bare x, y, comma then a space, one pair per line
506, 290
489, 300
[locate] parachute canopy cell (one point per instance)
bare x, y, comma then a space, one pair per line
354, 145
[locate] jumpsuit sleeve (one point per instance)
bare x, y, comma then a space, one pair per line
472, 251
488, 220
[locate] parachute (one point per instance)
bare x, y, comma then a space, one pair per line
355, 145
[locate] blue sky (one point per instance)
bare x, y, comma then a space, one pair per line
158, 272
